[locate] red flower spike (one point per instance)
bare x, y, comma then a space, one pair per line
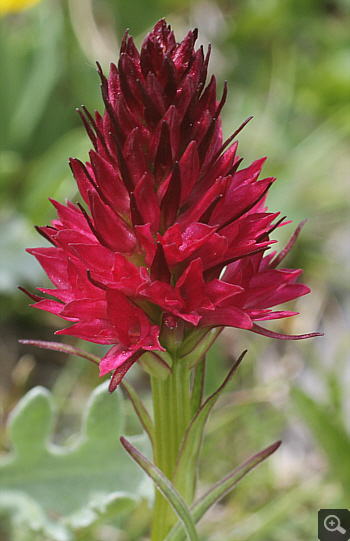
171, 200
88, 129
189, 170
45, 232
172, 234
82, 178
146, 201
163, 158
159, 268
152, 113
35, 298
109, 185
106, 223
123, 166
289, 246
99, 140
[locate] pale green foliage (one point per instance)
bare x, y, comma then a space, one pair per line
330, 433
56, 490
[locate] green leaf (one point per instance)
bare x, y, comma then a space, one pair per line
191, 445
50, 173
332, 437
220, 489
43, 74
198, 386
26, 514
139, 408
75, 483
166, 488
281, 512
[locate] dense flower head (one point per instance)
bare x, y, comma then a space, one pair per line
172, 232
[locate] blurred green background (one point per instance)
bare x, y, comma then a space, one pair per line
287, 62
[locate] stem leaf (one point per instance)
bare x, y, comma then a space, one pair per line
191, 445
198, 386
140, 409
166, 488
220, 489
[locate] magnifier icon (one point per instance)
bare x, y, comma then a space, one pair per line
332, 524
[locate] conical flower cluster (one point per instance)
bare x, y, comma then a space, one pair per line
171, 229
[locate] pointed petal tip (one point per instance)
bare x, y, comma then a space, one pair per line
33, 296
111, 388
99, 69
240, 358
121, 370
271, 334
271, 448
115, 380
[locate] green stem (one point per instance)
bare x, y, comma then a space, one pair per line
172, 415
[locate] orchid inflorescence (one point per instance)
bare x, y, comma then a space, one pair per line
171, 233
